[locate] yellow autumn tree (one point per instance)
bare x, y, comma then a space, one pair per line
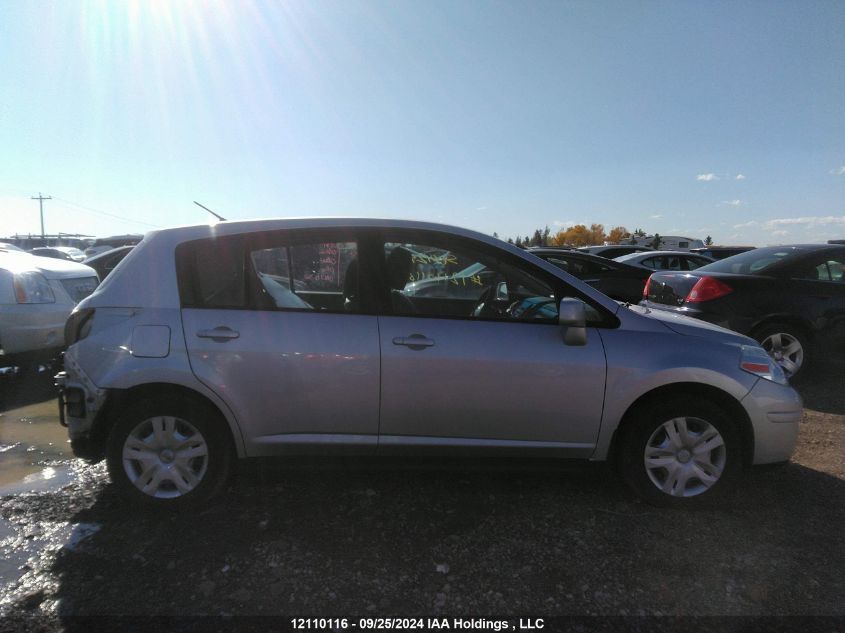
617, 234
580, 235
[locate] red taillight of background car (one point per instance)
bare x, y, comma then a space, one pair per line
647, 285
707, 289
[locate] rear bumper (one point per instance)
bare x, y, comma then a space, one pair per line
775, 412
80, 400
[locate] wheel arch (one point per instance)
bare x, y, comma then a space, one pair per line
783, 319
120, 399
723, 399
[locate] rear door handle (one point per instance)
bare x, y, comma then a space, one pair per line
415, 341
220, 333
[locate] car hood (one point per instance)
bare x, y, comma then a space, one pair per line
49, 267
688, 326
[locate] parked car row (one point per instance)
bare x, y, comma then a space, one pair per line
38, 289
36, 297
791, 299
281, 337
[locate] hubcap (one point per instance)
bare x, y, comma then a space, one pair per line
685, 457
786, 350
165, 457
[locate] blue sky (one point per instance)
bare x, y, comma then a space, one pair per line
692, 118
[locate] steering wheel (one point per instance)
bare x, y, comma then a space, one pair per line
486, 306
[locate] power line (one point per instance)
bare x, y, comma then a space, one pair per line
41, 200
106, 213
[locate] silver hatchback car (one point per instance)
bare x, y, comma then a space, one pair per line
311, 336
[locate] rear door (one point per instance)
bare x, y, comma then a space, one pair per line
485, 370
275, 326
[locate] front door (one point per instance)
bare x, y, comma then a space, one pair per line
477, 362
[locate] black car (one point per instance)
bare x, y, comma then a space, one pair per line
618, 281
721, 252
104, 263
789, 298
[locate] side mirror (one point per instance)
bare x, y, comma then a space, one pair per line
572, 316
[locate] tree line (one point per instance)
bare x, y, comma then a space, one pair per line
582, 235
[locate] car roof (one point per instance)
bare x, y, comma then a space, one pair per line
112, 252
658, 253
569, 253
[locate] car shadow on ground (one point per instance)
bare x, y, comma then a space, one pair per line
822, 387
404, 541
18, 391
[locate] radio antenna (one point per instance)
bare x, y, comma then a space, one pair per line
219, 217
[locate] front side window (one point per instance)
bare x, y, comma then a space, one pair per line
427, 278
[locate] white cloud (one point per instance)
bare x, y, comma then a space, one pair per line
813, 220
655, 217
566, 223
732, 203
707, 177
839, 172
780, 233
746, 225
740, 177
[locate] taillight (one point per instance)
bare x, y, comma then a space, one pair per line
78, 325
647, 286
707, 289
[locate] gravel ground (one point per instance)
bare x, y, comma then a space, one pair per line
366, 539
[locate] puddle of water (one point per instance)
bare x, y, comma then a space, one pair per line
26, 551
31, 441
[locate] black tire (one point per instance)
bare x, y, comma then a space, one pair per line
796, 332
210, 470
647, 421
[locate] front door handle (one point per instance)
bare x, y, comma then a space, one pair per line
415, 341
220, 333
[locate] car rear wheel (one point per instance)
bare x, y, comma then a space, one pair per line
679, 452
169, 452
787, 345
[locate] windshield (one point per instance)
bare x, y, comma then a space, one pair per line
756, 262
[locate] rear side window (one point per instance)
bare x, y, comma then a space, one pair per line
311, 275
269, 271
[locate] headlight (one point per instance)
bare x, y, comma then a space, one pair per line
32, 287
756, 361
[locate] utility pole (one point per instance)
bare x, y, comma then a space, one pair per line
41, 200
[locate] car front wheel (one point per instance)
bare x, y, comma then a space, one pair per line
168, 452
679, 452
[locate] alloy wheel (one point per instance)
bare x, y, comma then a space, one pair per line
786, 350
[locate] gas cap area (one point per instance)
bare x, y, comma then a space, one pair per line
150, 341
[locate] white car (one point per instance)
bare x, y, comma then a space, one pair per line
36, 296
